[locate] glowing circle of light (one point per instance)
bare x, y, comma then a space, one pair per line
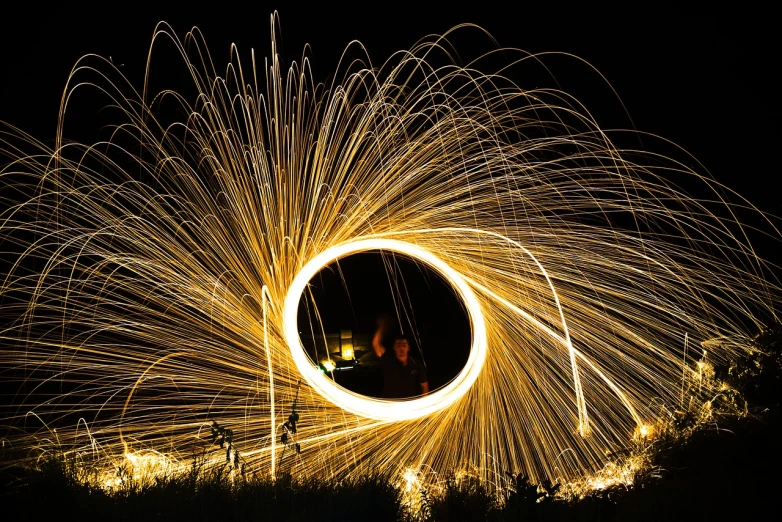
382, 409
168, 250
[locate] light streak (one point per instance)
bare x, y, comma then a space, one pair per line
161, 270
369, 407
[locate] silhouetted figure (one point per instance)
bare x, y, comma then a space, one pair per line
403, 376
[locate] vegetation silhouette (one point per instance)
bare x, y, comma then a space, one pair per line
721, 472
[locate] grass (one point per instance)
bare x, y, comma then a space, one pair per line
727, 471
718, 474
55, 490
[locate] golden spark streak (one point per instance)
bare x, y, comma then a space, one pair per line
158, 271
378, 408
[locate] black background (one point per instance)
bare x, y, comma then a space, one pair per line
706, 81
359, 289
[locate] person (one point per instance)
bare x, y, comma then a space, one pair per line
403, 376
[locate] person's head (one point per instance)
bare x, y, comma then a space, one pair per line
401, 347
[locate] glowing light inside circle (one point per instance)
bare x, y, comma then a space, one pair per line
382, 409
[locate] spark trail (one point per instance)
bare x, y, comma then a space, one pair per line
160, 268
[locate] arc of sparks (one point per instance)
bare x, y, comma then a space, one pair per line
368, 407
515, 196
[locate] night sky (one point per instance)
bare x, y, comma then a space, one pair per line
706, 82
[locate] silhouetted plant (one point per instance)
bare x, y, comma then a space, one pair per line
759, 377
422, 511
549, 491
290, 428
224, 437
521, 501
465, 498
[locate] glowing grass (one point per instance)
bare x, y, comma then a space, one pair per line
160, 269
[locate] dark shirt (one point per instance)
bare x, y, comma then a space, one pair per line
401, 381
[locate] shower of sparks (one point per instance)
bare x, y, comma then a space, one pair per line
161, 268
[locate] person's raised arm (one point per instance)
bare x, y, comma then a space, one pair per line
377, 342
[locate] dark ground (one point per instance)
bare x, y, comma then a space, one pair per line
727, 471
718, 475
